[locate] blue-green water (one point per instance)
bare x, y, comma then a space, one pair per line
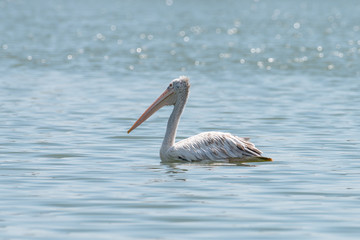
75, 75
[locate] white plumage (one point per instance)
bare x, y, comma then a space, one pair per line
204, 146
212, 146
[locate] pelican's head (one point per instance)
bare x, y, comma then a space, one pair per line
177, 90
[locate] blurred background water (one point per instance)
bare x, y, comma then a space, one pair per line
75, 75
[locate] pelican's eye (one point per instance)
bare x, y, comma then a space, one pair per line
171, 85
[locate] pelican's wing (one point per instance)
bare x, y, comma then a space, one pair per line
213, 146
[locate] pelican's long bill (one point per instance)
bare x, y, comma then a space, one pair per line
157, 104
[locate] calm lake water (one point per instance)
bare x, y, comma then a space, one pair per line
75, 75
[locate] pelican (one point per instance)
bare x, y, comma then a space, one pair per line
213, 146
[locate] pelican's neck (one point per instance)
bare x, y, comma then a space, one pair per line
170, 135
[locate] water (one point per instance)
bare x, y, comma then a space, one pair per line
75, 75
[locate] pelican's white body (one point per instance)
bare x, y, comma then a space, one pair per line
210, 146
